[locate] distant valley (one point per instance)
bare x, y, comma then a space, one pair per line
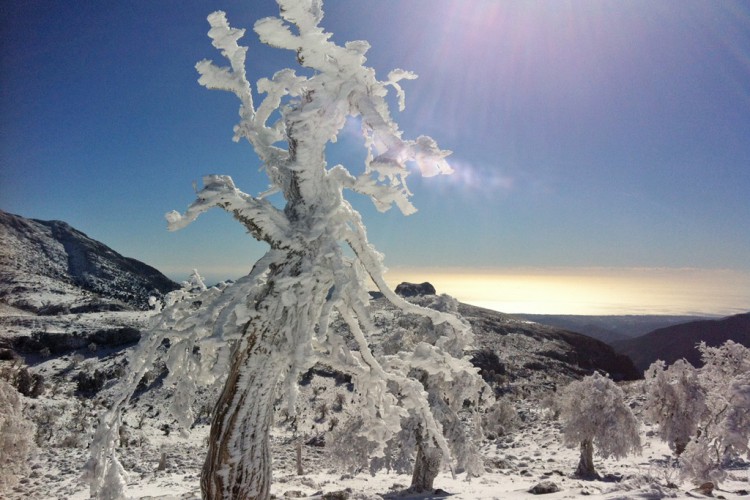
609, 329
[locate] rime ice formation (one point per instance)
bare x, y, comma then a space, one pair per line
594, 413
271, 326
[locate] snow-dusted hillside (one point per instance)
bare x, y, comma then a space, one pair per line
68, 366
80, 381
50, 267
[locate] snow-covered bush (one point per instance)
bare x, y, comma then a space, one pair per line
675, 401
16, 436
458, 399
724, 430
22, 379
271, 326
594, 414
501, 419
60, 422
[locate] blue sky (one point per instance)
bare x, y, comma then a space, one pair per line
586, 134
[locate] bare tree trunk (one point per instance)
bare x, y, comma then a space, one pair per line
298, 450
426, 466
238, 464
585, 468
679, 446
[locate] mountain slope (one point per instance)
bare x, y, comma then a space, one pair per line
534, 352
679, 341
49, 266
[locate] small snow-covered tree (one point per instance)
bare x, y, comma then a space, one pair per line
675, 401
594, 413
272, 325
457, 395
723, 432
735, 428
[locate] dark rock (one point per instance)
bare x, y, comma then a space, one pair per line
337, 495
294, 494
544, 487
8, 355
325, 371
415, 290
706, 489
318, 441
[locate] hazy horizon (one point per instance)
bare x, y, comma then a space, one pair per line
575, 291
596, 291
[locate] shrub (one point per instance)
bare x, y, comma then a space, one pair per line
501, 419
18, 375
88, 384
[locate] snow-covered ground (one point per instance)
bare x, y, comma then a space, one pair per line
162, 464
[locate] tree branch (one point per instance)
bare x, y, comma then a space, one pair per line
264, 221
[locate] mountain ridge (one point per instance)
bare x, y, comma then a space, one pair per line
678, 341
611, 328
43, 262
49, 266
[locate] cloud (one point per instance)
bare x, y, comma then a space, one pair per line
473, 179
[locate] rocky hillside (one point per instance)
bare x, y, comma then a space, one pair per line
679, 341
50, 267
541, 355
521, 356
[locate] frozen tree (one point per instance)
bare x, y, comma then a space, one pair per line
594, 412
457, 395
723, 432
735, 428
675, 401
261, 332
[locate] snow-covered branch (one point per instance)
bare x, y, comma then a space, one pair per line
264, 221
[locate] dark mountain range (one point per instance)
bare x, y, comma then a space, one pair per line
679, 341
50, 267
609, 329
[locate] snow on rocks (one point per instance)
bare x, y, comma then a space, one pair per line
514, 462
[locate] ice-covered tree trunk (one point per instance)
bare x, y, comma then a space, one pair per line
238, 461
238, 464
426, 465
585, 467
